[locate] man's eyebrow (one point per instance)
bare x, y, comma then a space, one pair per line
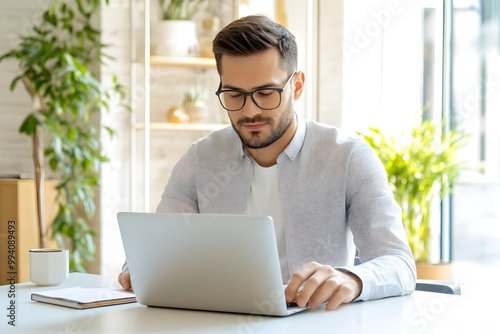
229, 87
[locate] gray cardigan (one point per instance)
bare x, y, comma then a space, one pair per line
334, 194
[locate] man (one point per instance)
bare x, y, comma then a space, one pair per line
326, 191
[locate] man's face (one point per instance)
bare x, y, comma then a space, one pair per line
258, 128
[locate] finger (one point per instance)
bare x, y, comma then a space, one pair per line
324, 292
337, 290
120, 279
314, 286
298, 279
342, 295
124, 280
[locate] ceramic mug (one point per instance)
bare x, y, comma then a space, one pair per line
49, 266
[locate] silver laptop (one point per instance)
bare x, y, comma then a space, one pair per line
214, 262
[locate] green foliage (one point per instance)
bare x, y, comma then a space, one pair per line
54, 61
420, 165
193, 94
179, 9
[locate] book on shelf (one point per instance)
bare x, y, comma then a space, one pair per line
84, 298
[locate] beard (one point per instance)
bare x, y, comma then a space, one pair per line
278, 128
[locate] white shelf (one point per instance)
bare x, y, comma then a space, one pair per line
166, 126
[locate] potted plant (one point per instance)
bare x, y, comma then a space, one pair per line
67, 98
175, 33
421, 166
194, 104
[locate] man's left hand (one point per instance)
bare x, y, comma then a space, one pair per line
315, 284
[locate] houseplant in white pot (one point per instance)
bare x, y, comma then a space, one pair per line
421, 166
194, 104
175, 33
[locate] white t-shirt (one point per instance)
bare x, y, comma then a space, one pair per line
264, 200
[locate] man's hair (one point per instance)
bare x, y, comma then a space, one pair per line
253, 34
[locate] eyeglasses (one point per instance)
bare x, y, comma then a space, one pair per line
264, 98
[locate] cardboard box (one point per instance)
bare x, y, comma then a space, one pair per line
19, 225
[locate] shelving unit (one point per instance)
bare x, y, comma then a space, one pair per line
145, 118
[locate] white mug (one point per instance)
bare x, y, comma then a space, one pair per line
49, 266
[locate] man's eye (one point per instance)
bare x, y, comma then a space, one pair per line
234, 95
266, 92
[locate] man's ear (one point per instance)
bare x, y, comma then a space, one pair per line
298, 84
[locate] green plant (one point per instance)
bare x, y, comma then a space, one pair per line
54, 61
194, 94
179, 9
420, 165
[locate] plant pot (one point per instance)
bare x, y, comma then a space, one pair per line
435, 271
175, 38
196, 110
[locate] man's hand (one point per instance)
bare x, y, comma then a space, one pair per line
124, 280
316, 284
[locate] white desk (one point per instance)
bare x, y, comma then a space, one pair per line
421, 312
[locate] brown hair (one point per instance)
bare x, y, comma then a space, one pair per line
253, 34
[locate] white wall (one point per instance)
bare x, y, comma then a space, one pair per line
15, 149
115, 175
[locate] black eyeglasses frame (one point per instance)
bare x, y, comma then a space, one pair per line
245, 95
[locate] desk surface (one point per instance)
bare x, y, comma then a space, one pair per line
421, 312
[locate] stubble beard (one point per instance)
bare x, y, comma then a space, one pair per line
277, 130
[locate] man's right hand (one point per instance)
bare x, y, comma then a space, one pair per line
124, 280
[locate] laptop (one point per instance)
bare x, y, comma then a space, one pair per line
211, 262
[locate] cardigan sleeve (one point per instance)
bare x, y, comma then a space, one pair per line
179, 194
387, 266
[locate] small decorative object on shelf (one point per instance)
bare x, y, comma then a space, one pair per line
194, 105
210, 26
177, 114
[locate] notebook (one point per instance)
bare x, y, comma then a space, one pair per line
83, 298
212, 262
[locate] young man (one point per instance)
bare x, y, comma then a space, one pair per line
326, 191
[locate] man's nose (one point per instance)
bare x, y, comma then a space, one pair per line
250, 109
